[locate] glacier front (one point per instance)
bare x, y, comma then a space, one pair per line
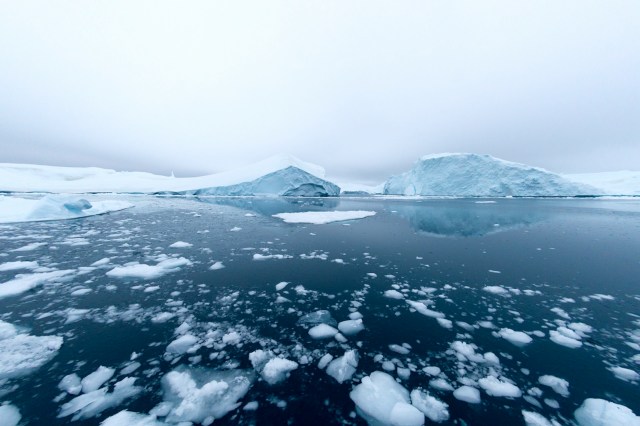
474, 175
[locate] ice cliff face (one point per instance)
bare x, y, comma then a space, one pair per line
473, 175
290, 181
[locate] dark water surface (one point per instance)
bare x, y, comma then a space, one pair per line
581, 256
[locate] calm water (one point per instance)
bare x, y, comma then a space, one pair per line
545, 254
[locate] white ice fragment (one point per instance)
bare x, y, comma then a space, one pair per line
496, 289
322, 331
517, 338
534, 419
625, 374
563, 340
281, 285
93, 403
320, 218
350, 327
600, 412
422, 308
25, 282
129, 418
20, 264
344, 367
149, 272
467, 394
20, 354
399, 349
9, 415
560, 386
324, 361
70, 384
435, 410
277, 370
181, 244
393, 294
499, 388
180, 345
96, 379
216, 265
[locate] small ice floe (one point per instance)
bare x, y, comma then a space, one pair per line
199, 395
281, 285
21, 353
601, 297
393, 294
493, 271
344, 367
30, 247
101, 262
235, 229
600, 412
25, 282
561, 313
70, 384
148, 272
272, 369
467, 394
181, 244
560, 386
496, 289
95, 380
20, 264
382, 400
216, 265
318, 317
532, 418
9, 415
322, 331
93, 403
351, 327
434, 409
182, 344
259, 256
517, 338
402, 350
422, 308
321, 218
625, 374
129, 418
499, 388
566, 337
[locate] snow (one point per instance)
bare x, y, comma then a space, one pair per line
9, 415
624, 182
381, 400
25, 282
518, 338
54, 207
321, 218
91, 404
202, 395
344, 367
149, 272
599, 412
434, 409
473, 175
560, 386
322, 331
21, 353
95, 380
129, 418
351, 327
500, 388
277, 175
467, 394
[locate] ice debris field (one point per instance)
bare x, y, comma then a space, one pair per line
272, 311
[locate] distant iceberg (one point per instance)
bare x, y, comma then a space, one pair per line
282, 175
473, 175
624, 182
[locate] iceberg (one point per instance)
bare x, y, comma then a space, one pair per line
281, 175
623, 182
474, 175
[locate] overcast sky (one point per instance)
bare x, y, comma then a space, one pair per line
361, 87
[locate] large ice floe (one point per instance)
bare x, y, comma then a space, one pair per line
473, 175
278, 175
54, 207
21, 353
321, 218
600, 412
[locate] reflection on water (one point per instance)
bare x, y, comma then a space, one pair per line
275, 205
465, 218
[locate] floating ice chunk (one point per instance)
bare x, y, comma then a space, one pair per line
344, 367
259, 256
321, 218
231, 338
351, 327
277, 370
625, 374
322, 331
96, 379
563, 340
25, 282
129, 418
101, 262
30, 247
149, 272
399, 349
518, 338
281, 285
598, 296
181, 244
162, 317
432, 371
70, 384
317, 317
251, 406
422, 308
20, 354
441, 384
534, 419
445, 323
393, 294
381, 400
467, 394
200, 396
324, 361
130, 368
9, 415
182, 344
435, 410
496, 289
499, 388
580, 328
235, 229
599, 412
20, 264
560, 386
561, 313
93, 403
216, 265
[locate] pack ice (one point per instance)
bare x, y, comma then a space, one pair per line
474, 175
